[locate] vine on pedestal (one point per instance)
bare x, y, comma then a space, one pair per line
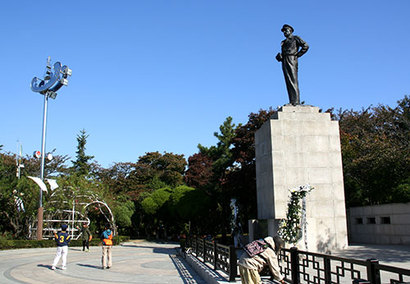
293, 227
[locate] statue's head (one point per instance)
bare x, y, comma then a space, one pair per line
287, 30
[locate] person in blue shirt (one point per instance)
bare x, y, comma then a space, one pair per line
106, 238
62, 239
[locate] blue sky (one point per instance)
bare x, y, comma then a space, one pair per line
163, 75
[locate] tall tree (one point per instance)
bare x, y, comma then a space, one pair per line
82, 164
156, 170
218, 157
241, 179
376, 154
199, 173
220, 154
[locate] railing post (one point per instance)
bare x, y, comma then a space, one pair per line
373, 273
215, 256
203, 250
196, 246
232, 264
328, 275
294, 264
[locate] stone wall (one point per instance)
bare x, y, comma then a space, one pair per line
380, 224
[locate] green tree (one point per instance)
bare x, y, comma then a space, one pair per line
376, 153
121, 179
153, 202
199, 173
241, 179
156, 170
172, 209
219, 157
82, 164
191, 206
220, 154
123, 211
19, 197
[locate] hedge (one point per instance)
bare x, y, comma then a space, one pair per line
15, 244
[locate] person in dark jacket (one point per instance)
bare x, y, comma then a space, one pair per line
62, 239
106, 238
86, 237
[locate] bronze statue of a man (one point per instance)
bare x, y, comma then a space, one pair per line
292, 48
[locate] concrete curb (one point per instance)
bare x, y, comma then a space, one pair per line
208, 274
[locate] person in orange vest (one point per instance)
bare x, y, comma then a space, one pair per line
106, 237
62, 239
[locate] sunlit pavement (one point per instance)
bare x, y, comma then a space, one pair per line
144, 262
392, 255
133, 262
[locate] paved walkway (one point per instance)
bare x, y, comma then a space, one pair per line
393, 255
133, 262
144, 262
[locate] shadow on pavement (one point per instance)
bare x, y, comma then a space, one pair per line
154, 249
187, 274
75, 249
44, 265
90, 266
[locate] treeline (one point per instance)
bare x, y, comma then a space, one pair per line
164, 194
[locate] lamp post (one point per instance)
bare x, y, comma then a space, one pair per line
55, 77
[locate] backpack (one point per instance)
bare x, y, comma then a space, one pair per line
255, 247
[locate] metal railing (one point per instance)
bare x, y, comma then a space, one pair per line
221, 257
304, 267
307, 267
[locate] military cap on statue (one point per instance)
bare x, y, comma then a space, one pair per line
287, 26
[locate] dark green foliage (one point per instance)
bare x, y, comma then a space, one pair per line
241, 178
376, 154
16, 244
291, 229
219, 157
82, 164
199, 172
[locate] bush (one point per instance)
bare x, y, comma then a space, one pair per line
16, 244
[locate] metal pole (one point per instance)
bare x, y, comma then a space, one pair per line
43, 149
72, 229
43, 141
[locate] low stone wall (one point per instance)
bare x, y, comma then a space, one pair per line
387, 224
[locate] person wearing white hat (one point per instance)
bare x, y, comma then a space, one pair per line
250, 266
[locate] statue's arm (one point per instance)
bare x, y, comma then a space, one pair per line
303, 46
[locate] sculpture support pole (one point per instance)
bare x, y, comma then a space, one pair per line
40, 223
43, 150
43, 141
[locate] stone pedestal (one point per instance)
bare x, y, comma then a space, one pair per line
300, 146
